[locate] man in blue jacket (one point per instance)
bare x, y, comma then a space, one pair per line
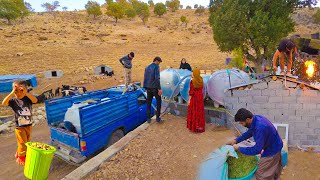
126, 62
268, 143
152, 84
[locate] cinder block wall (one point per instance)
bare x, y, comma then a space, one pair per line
294, 106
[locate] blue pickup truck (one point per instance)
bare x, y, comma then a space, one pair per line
107, 117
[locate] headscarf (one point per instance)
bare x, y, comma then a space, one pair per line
197, 80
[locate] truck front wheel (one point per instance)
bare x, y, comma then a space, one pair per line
116, 136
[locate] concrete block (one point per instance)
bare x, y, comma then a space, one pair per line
268, 92
309, 106
313, 137
301, 125
254, 93
239, 106
268, 116
283, 112
277, 85
295, 118
315, 100
306, 131
227, 94
318, 106
316, 143
296, 92
228, 105
314, 124
282, 93
282, 106
268, 106
300, 137
317, 131
232, 100
306, 142
275, 99
266, 112
308, 118
312, 93
261, 85
296, 106
293, 142
246, 99
291, 84
240, 93
303, 99
287, 118
260, 99
289, 99
311, 112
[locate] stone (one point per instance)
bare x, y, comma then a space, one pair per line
40, 117
20, 54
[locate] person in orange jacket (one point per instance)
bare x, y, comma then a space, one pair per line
20, 100
286, 47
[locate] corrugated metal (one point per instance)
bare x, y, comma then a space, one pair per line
6, 81
97, 116
70, 139
57, 107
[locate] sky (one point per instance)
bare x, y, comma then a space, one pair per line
79, 4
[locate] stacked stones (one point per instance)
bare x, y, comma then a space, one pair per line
39, 115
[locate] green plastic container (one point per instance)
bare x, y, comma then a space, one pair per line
38, 161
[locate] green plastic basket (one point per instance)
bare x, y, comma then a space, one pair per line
38, 161
250, 175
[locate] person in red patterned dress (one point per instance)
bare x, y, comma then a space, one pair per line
195, 119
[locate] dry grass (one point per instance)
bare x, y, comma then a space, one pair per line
73, 42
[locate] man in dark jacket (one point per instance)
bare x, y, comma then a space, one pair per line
126, 62
152, 84
268, 143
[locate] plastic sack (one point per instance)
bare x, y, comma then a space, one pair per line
215, 167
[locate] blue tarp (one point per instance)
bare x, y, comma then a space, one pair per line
6, 81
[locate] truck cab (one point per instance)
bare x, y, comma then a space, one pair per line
108, 115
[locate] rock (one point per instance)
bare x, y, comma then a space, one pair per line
36, 122
87, 69
4, 127
20, 54
40, 117
43, 38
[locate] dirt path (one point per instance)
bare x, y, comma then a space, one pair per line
171, 151
164, 151
11, 170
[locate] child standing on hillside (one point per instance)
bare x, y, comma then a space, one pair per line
21, 104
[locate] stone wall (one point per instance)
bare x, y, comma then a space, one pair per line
300, 108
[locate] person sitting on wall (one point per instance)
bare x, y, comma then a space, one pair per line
185, 65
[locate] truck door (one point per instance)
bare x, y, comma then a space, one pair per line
142, 102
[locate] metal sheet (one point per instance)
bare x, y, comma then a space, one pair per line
219, 82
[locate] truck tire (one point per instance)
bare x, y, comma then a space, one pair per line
116, 136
